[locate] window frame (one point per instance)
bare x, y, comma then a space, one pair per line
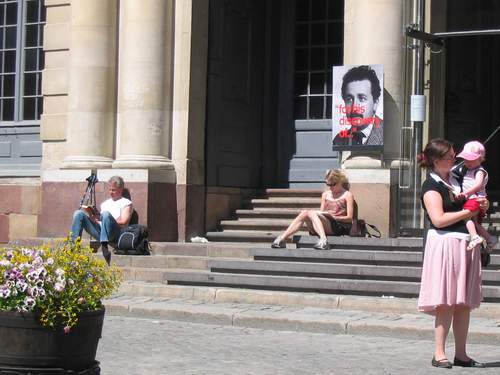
20, 71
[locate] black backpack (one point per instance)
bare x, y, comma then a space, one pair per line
133, 240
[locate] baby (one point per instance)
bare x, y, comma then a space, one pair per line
473, 187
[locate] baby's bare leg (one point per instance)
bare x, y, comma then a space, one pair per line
471, 227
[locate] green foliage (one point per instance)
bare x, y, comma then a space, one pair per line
56, 281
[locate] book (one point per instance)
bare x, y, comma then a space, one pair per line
89, 210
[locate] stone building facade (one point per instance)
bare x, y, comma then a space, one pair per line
192, 102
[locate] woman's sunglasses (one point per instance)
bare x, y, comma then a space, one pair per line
327, 184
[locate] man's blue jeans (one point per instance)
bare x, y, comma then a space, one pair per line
108, 231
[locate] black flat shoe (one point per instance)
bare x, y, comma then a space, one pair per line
442, 363
469, 363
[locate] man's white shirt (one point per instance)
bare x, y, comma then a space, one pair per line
115, 207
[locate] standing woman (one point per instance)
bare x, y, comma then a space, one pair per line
451, 275
333, 218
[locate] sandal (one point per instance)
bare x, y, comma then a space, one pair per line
469, 363
442, 363
476, 240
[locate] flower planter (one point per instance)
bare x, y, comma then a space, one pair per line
26, 343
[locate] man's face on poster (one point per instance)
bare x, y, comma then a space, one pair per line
360, 106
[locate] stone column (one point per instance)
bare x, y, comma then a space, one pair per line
373, 32
144, 84
190, 83
92, 82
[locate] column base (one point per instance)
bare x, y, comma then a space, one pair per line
143, 161
87, 162
362, 162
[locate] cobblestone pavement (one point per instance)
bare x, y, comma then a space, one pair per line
132, 346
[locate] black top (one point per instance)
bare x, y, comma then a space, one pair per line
449, 204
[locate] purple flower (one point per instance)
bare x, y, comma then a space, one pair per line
32, 276
67, 329
26, 252
38, 262
29, 303
21, 285
4, 292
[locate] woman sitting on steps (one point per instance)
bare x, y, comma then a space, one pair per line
333, 218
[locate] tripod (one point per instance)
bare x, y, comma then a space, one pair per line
88, 201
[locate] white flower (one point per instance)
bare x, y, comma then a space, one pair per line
27, 252
70, 281
32, 276
59, 272
29, 303
50, 261
38, 262
41, 293
5, 263
21, 285
59, 287
42, 272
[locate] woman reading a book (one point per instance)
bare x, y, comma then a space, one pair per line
333, 218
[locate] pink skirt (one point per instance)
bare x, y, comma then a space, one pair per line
451, 275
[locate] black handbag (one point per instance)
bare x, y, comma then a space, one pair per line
360, 228
485, 257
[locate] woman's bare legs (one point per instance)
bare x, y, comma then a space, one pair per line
461, 318
312, 219
295, 225
319, 223
444, 316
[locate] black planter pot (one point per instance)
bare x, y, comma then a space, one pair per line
26, 343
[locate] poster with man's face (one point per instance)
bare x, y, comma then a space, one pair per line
358, 107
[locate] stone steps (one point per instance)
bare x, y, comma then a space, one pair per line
311, 193
308, 284
358, 266
245, 235
286, 202
265, 217
268, 213
273, 224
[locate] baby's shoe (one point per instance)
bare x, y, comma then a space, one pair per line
476, 240
278, 243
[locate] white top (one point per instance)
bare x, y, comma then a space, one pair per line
468, 182
115, 207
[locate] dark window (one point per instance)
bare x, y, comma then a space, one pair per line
319, 39
21, 59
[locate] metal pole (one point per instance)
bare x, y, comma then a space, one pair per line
418, 89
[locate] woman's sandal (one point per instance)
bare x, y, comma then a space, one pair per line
442, 363
469, 363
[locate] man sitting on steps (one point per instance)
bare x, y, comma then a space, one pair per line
105, 227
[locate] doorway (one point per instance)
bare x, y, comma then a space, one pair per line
472, 88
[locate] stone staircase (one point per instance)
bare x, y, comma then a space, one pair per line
239, 256
355, 266
262, 219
